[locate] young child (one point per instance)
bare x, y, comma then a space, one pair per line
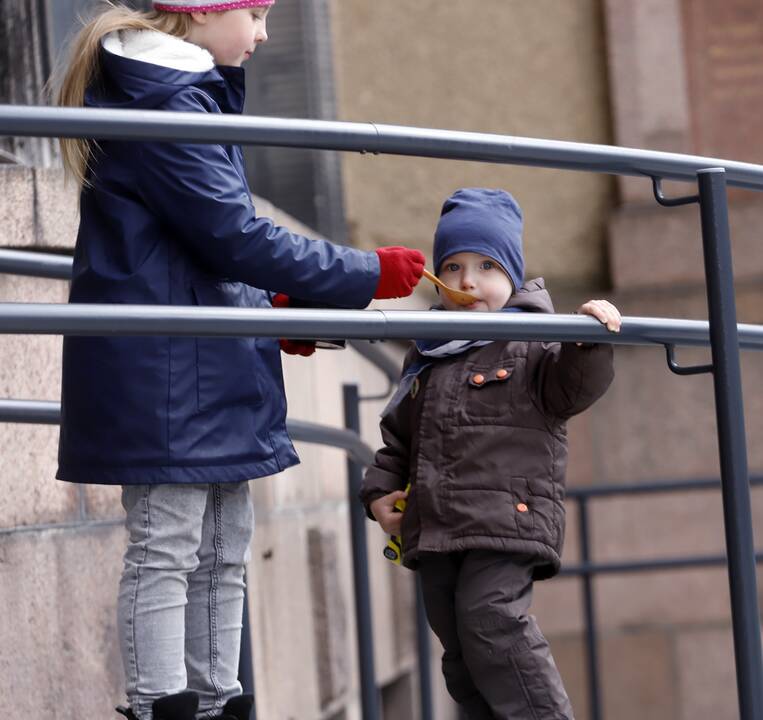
478, 430
183, 423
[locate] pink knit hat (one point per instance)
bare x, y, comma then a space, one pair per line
187, 6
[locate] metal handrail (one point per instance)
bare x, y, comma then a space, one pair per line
587, 569
722, 333
59, 267
277, 322
194, 321
36, 264
595, 492
582, 495
48, 412
45, 412
104, 124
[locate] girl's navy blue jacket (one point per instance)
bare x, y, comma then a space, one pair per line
174, 224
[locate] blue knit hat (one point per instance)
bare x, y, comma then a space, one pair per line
484, 221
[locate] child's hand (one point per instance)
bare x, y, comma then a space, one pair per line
383, 509
605, 312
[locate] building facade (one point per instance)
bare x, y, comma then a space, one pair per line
676, 75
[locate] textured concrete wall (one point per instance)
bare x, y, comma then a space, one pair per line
500, 66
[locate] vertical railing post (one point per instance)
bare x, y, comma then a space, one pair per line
369, 693
731, 441
589, 610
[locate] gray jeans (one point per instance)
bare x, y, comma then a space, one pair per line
182, 590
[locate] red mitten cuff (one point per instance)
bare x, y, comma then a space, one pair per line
297, 347
400, 271
292, 347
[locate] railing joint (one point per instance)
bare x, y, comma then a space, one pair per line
670, 351
659, 196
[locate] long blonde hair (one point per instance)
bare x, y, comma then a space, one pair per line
82, 68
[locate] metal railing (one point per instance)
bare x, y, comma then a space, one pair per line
367, 137
88, 319
127, 320
710, 175
360, 454
587, 569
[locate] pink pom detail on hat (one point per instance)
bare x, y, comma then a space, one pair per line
188, 6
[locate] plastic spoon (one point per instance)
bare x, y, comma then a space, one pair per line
461, 298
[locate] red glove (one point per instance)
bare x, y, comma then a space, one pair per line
297, 347
292, 347
401, 270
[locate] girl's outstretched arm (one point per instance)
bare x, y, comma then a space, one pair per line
198, 192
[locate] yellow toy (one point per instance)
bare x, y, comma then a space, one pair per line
394, 549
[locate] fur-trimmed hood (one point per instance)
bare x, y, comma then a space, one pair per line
142, 69
158, 48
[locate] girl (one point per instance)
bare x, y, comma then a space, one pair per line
182, 423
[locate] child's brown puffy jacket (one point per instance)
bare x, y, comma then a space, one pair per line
486, 456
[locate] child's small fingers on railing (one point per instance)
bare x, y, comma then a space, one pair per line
612, 318
604, 311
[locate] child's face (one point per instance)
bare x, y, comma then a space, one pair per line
231, 36
479, 275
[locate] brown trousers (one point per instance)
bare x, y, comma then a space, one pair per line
497, 664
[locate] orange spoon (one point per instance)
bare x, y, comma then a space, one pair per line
461, 298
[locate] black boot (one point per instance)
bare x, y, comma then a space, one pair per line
181, 706
238, 708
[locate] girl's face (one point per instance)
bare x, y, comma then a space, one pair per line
231, 36
479, 275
